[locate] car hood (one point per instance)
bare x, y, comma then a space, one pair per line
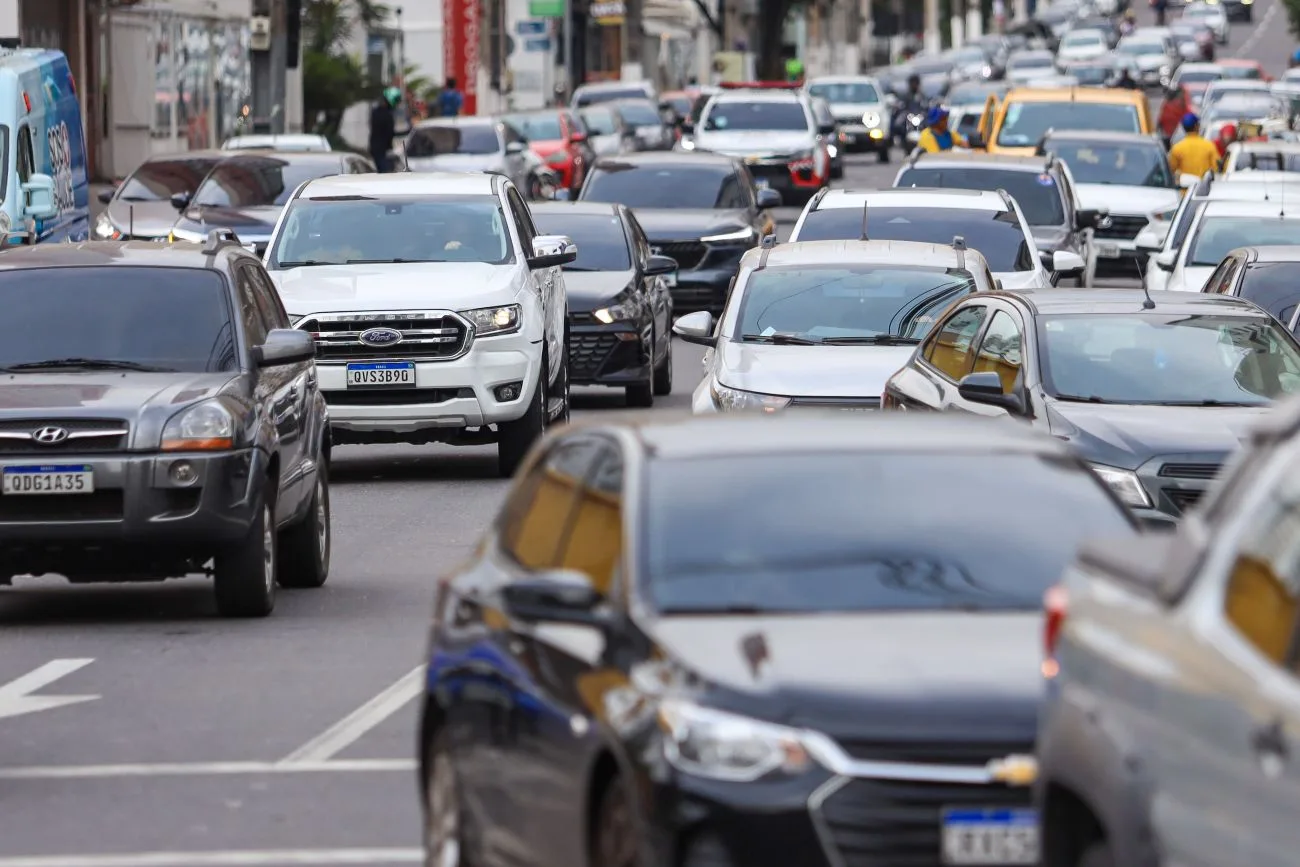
250, 224
810, 371
676, 224
743, 144
455, 163
589, 290
1123, 199
410, 286
143, 219
1128, 436
1189, 279
931, 676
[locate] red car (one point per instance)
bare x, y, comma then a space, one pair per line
1236, 69
558, 137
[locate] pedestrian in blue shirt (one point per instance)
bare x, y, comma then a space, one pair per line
451, 100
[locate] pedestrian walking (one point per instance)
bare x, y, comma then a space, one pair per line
451, 100
383, 128
1194, 155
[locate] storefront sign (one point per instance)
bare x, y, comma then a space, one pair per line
608, 12
460, 38
545, 8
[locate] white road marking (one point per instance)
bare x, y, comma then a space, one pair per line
16, 698
204, 769
354, 726
252, 858
1261, 28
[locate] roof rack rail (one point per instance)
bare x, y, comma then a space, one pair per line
959, 246
769, 241
1006, 199
219, 238
817, 197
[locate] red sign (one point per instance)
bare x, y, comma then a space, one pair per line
460, 38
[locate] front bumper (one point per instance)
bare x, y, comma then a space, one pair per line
860, 137
790, 179
618, 354
1116, 248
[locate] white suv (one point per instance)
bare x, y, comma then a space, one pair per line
439, 311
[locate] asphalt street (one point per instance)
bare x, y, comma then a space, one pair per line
139, 730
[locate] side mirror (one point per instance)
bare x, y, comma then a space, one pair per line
550, 251
696, 328
1089, 218
975, 141
661, 265
106, 195
554, 596
180, 201
986, 388
284, 346
561, 194
1165, 261
516, 147
1148, 245
769, 198
1066, 263
38, 198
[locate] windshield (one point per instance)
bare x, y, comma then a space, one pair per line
828, 301
1026, 122
336, 231
1130, 165
1141, 49
1216, 237
176, 319
250, 182
854, 543
601, 241
997, 235
1167, 358
159, 180
974, 94
1274, 286
608, 94
472, 139
600, 121
968, 56
1038, 194
537, 127
859, 92
940, 67
640, 113
658, 186
756, 116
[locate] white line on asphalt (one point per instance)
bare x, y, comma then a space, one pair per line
203, 769
354, 726
16, 698
1260, 29
263, 857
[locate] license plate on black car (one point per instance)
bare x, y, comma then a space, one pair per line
993, 836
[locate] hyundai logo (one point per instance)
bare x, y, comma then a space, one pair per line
49, 436
380, 336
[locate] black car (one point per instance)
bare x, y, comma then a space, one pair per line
1042, 186
247, 192
647, 123
695, 642
1267, 276
701, 209
1156, 392
620, 307
140, 208
159, 417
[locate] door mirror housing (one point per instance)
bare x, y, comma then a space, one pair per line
516, 147
976, 142
696, 328
1166, 260
661, 265
550, 251
1145, 245
1089, 218
553, 596
285, 346
1067, 263
180, 201
768, 199
38, 198
985, 388
106, 195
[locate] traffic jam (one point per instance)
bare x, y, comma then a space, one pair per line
967, 535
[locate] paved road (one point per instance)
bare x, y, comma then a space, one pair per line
283, 741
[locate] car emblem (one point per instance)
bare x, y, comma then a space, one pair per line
49, 436
380, 336
1014, 770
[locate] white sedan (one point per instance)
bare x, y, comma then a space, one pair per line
1212, 16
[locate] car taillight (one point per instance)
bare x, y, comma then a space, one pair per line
1055, 606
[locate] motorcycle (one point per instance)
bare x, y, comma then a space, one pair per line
543, 183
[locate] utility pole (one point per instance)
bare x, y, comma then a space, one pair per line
269, 63
570, 68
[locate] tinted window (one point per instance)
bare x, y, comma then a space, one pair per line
1166, 358
640, 113
830, 301
1038, 194
172, 318
158, 180
997, 235
248, 182
1001, 350
755, 116
1026, 122
533, 522
537, 127
1133, 165
1275, 287
657, 186
974, 94
600, 121
602, 243
845, 92
1216, 237
476, 139
393, 229
950, 349
854, 543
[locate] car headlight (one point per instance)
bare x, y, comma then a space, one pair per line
493, 320
206, 426
620, 309
186, 236
739, 235
726, 746
870, 119
105, 230
735, 400
1125, 484
686, 144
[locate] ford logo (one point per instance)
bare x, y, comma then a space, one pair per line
380, 336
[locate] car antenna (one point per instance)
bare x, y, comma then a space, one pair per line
1147, 303
864, 222
130, 221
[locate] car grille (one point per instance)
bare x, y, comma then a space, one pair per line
1121, 228
844, 404
106, 505
588, 354
431, 336
1182, 499
84, 436
689, 254
1190, 471
934, 752
583, 318
896, 823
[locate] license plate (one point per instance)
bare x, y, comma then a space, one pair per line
57, 479
1108, 251
381, 374
990, 836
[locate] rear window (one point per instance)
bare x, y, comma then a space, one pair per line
1026, 122
640, 113
601, 241
250, 182
756, 117
478, 139
159, 180
174, 319
1275, 287
1038, 194
591, 97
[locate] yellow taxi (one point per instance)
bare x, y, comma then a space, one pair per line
1018, 122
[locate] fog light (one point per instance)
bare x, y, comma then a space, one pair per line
183, 473
508, 392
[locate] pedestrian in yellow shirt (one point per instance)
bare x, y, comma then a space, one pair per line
1193, 155
936, 136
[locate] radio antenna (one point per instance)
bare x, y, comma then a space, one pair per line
1147, 303
130, 221
864, 222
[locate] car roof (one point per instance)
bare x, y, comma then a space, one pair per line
1098, 135
1279, 253
914, 197
110, 253
301, 158
1129, 301
865, 252
176, 156
1198, 67
1113, 96
668, 158
403, 184
595, 209
1013, 162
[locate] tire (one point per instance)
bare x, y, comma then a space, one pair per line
244, 574
1097, 855
515, 438
663, 381
444, 833
304, 555
613, 837
567, 411
882, 155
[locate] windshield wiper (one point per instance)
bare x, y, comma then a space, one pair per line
389, 261
710, 610
135, 199
579, 268
89, 364
1202, 403
302, 263
779, 339
1079, 398
872, 340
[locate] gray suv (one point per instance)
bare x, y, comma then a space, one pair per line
159, 417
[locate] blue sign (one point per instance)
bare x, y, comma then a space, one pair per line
538, 43
530, 28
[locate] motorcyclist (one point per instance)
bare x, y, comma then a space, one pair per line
914, 102
936, 136
1127, 81
383, 128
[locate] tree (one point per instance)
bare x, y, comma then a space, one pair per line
332, 79
1293, 13
772, 18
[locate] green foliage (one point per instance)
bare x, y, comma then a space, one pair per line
1293, 14
332, 80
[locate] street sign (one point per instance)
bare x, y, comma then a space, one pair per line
546, 8
531, 28
16, 697
538, 43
